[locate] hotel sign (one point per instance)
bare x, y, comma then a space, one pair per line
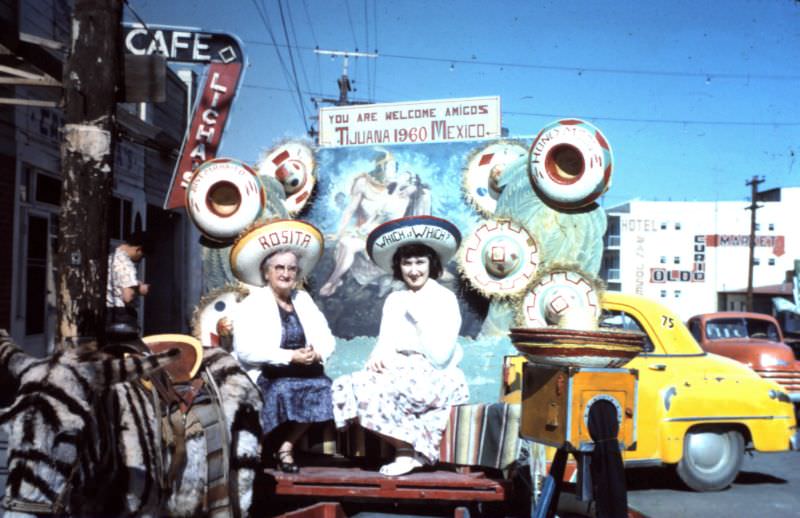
419, 122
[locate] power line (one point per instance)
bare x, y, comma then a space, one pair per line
291, 62
660, 121
583, 70
265, 22
294, 37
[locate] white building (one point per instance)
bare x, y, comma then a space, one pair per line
693, 256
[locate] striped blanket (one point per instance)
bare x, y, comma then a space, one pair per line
482, 434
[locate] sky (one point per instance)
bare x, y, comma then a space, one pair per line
695, 97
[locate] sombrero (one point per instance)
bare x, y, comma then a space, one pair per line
439, 234
262, 239
224, 197
191, 354
483, 171
499, 258
564, 297
292, 164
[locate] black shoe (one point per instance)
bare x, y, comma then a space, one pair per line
283, 462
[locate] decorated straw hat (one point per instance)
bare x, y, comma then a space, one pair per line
483, 171
439, 234
292, 163
264, 239
499, 258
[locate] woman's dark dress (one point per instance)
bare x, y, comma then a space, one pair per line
300, 393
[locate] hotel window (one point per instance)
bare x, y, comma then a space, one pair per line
772, 226
663, 226
756, 261
676, 260
677, 225
771, 261
677, 294
663, 259
663, 294
758, 226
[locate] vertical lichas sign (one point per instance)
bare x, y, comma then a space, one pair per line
226, 64
418, 122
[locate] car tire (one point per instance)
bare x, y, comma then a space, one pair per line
711, 459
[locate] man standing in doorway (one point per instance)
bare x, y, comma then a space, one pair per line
124, 286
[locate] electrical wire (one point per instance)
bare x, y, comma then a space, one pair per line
294, 69
659, 121
265, 22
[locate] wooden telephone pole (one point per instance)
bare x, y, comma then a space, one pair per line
753, 183
91, 80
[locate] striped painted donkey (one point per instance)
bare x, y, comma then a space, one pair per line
84, 437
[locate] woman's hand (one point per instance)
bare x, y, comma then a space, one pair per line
375, 365
305, 356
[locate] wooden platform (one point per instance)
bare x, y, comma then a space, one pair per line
357, 483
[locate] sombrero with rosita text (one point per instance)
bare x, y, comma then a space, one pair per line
263, 239
439, 234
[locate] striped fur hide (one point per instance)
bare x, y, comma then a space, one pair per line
86, 420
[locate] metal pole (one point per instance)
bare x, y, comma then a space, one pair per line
753, 183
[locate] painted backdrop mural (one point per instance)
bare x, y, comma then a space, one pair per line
360, 188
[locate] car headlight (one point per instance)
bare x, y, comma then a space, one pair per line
767, 360
779, 395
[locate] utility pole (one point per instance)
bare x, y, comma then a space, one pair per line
344, 83
753, 183
91, 80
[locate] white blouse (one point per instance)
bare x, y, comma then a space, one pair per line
426, 321
257, 330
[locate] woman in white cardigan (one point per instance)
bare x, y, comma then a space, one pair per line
283, 340
411, 379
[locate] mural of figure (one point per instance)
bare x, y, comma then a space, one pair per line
377, 196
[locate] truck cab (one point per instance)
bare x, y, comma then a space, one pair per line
754, 339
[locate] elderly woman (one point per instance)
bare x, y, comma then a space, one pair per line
280, 336
411, 378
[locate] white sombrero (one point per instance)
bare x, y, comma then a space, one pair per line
439, 234
564, 297
292, 164
499, 258
250, 250
483, 171
224, 197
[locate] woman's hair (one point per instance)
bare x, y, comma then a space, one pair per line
282, 250
416, 250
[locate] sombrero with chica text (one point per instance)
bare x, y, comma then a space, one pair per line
439, 234
262, 239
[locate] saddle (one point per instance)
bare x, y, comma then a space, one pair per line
190, 404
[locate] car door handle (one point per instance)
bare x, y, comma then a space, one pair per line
658, 367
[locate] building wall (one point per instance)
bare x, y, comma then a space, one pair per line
685, 253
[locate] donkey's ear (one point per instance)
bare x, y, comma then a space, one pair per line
12, 360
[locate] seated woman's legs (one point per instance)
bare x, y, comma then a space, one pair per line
284, 454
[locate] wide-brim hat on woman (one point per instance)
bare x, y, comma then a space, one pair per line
263, 239
440, 235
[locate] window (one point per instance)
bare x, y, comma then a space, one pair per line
663, 226
663, 259
756, 261
120, 218
663, 294
694, 328
771, 261
677, 225
758, 226
677, 260
772, 226
621, 321
677, 294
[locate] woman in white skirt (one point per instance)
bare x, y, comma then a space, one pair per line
411, 379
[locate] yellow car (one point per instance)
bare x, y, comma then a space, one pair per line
696, 410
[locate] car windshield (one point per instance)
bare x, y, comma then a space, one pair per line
723, 328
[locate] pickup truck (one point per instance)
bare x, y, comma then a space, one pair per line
754, 339
697, 411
